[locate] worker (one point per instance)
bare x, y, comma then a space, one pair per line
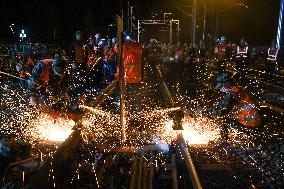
271, 65
222, 51
78, 54
237, 105
178, 68
94, 59
241, 58
21, 64
152, 54
109, 62
48, 78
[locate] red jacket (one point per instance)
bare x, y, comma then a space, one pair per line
222, 51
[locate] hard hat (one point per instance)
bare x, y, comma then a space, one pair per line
222, 78
97, 35
78, 33
114, 40
223, 38
59, 65
153, 41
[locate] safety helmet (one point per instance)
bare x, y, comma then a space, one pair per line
153, 41
223, 39
222, 78
59, 65
97, 35
114, 40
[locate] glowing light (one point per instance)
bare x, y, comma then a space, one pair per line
46, 128
195, 131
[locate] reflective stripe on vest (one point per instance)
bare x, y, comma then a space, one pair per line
247, 113
242, 51
256, 115
247, 107
272, 54
222, 52
252, 121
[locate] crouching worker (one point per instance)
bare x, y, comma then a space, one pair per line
237, 105
48, 79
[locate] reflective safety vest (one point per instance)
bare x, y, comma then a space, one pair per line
246, 112
222, 50
109, 55
242, 52
272, 54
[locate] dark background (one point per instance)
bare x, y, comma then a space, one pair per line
42, 18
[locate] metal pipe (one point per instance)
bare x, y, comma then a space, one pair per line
140, 173
178, 30
151, 174
174, 172
204, 23
176, 115
138, 31
276, 109
121, 79
279, 29
145, 175
193, 42
166, 93
171, 32
189, 164
133, 174
104, 95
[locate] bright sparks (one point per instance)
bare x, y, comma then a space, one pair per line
195, 130
48, 129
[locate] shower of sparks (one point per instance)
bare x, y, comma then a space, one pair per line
46, 128
195, 131
144, 126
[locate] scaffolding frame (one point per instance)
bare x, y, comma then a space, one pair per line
159, 22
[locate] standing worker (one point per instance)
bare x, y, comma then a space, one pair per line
78, 53
241, 58
222, 50
271, 65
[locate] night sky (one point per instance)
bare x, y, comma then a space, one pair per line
40, 18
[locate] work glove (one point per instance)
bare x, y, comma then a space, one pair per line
74, 67
32, 101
